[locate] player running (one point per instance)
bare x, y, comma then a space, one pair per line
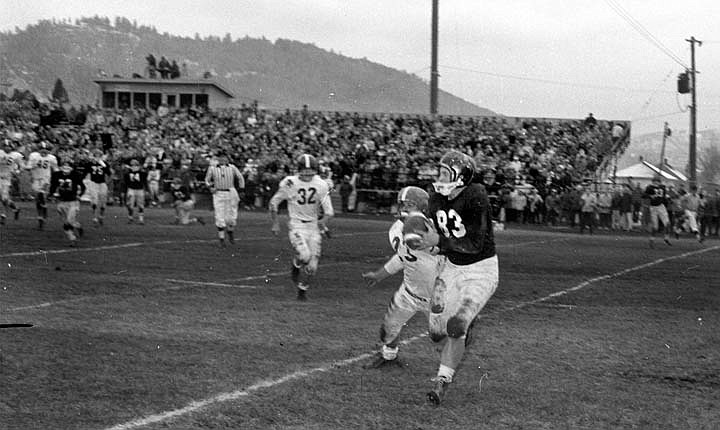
657, 194
68, 186
97, 187
420, 268
223, 178
10, 164
136, 182
469, 275
41, 164
306, 193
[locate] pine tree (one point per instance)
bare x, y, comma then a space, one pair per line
59, 94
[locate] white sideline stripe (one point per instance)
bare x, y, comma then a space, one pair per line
208, 284
160, 242
234, 395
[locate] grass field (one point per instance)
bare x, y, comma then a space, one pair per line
157, 327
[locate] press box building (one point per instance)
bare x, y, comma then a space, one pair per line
145, 93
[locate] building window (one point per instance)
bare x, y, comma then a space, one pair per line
139, 100
171, 100
123, 100
201, 100
108, 99
155, 100
186, 100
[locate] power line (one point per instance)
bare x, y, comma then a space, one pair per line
644, 32
553, 82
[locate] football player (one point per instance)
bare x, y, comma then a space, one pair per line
658, 211
67, 186
136, 182
420, 268
97, 187
224, 179
183, 203
306, 193
463, 232
41, 164
10, 162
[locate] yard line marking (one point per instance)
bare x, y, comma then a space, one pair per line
209, 284
234, 395
154, 243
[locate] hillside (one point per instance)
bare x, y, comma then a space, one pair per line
280, 74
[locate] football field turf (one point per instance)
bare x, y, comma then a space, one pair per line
157, 327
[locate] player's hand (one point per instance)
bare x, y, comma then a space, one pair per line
276, 228
371, 278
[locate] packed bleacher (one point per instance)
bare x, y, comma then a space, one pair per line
372, 154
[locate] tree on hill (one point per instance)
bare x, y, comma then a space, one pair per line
59, 94
710, 164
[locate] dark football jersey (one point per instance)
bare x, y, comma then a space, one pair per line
180, 194
657, 194
464, 225
68, 186
136, 180
97, 171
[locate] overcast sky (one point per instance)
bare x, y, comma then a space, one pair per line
618, 59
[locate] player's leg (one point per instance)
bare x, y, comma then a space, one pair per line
140, 200
303, 266
401, 308
72, 217
102, 197
63, 209
232, 214
467, 295
220, 206
130, 204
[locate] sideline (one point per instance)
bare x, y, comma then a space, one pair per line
234, 395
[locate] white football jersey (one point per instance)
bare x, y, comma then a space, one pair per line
42, 167
304, 199
9, 163
420, 268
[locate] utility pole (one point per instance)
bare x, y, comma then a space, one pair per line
434, 60
666, 133
692, 162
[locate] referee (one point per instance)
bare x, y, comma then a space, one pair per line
222, 182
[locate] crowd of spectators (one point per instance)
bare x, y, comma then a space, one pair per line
369, 153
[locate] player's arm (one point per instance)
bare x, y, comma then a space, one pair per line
53, 184
209, 179
273, 205
81, 185
239, 176
391, 267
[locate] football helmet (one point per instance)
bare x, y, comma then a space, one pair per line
66, 167
456, 170
411, 199
307, 167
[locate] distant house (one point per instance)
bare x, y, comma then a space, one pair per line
124, 93
644, 171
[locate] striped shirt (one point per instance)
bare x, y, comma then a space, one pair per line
222, 177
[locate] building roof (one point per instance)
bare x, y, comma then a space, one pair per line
647, 170
148, 81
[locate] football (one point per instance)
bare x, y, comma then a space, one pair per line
414, 226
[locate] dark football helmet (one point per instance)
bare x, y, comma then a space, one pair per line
307, 167
456, 170
411, 199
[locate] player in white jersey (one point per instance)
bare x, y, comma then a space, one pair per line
306, 193
41, 165
10, 163
420, 268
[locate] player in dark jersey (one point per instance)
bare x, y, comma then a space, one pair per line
183, 203
98, 170
657, 194
136, 183
462, 217
67, 186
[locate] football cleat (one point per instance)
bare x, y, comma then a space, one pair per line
2, 219
667, 241
96, 221
80, 231
200, 221
301, 295
41, 223
231, 237
436, 395
380, 362
16, 213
